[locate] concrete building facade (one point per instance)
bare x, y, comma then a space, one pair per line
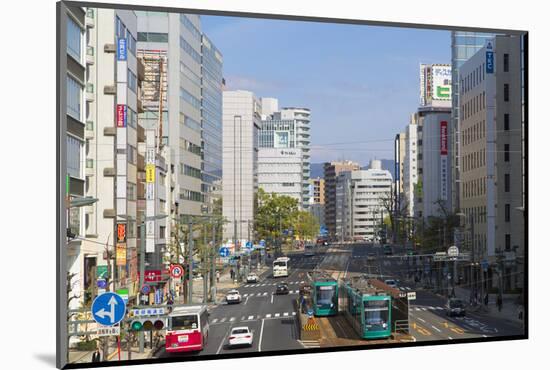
241, 123
280, 171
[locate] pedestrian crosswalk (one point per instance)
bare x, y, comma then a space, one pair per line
275, 315
427, 308
404, 288
265, 294
310, 343
273, 284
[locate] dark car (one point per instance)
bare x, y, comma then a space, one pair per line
281, 289
455, 307
388, 251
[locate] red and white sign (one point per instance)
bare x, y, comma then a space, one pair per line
176, 271
443, 138
121, 115
152, 276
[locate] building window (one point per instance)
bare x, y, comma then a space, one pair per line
162, 232
152, 37
120, 28
131, 43
192, 171
74, 148
188, 97
506, 62
132, 154
131, 231
132, 117
74, 98
506, 122
506, 152
74, 40
506, 182
506, 92
508, 242
130, 191
132, 81
506, 213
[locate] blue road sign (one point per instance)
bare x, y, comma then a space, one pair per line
224, 252
485, 265
262, 243
158, 296
101, 284
108, 309
145, 289
248, 245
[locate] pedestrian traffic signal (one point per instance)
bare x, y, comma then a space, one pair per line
146, 324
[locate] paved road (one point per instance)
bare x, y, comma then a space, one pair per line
270, 317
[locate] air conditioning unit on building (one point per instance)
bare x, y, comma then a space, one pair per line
109, 48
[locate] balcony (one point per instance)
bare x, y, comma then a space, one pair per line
90, 92
109, 131
109, 89
89, 132
109, 172
90, 55
140, 106
90, 18
109, 213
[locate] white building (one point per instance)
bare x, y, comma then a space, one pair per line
241, 122
343, 203
280, 171
370, 193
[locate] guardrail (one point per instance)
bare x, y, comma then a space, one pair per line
401, 326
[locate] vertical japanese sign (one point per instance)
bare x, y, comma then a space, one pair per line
121, 51
121, 114
489, 59
150, 206
121, 233
444, 152
121, 254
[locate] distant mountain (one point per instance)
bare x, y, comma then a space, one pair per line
316, 170
387, 164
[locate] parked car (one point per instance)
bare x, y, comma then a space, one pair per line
455, 307
281, 289
391, 283
241, 336
233, 296
252, 278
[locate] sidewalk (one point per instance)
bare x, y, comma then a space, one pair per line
509, 311
78, 357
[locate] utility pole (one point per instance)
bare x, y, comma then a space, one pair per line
204, 267
213, 268
141, 275
190, 262
472, 255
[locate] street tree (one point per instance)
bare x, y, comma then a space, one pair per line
275, 214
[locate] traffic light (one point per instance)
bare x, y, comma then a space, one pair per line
147, 323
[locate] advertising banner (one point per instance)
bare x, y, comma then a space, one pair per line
444, 165
441, 82
121, 50
121, 233
121, 113
121, 254
149, 173
281, 139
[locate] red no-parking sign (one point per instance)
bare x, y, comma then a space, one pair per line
176, 271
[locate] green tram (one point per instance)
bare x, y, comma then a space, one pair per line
324, 294
367, 308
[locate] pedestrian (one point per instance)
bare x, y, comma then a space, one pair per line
487, 299
499, 302
232, 274
96, 356
520, 312
217, 276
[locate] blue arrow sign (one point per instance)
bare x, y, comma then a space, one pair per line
224, 252
262, 243
248, 245
108, 309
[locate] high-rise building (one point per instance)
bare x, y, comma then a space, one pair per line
411, 160
344, 203
288, 128
280, 171
192, 112
463, 45
491, 157
73, 90
399, 160
331, 171
241, 122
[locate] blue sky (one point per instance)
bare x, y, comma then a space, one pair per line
360, 82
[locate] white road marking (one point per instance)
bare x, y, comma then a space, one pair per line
277, 314
417, 308
414, 339
424, 309
268, 316
223, 340
436, 329
265, 293
407, 288
285, 314
261, 335
246, 301
251, 317
246, 294
432, 308
451, 338
484, 336
214, 321
421, 319
232, 319
294, 314
272, 295
242, 318
439, 308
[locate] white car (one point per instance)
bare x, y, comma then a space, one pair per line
240, 336
391, 283
252, 278
233, 296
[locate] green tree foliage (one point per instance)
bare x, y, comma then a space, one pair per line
275, 214
306, 225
